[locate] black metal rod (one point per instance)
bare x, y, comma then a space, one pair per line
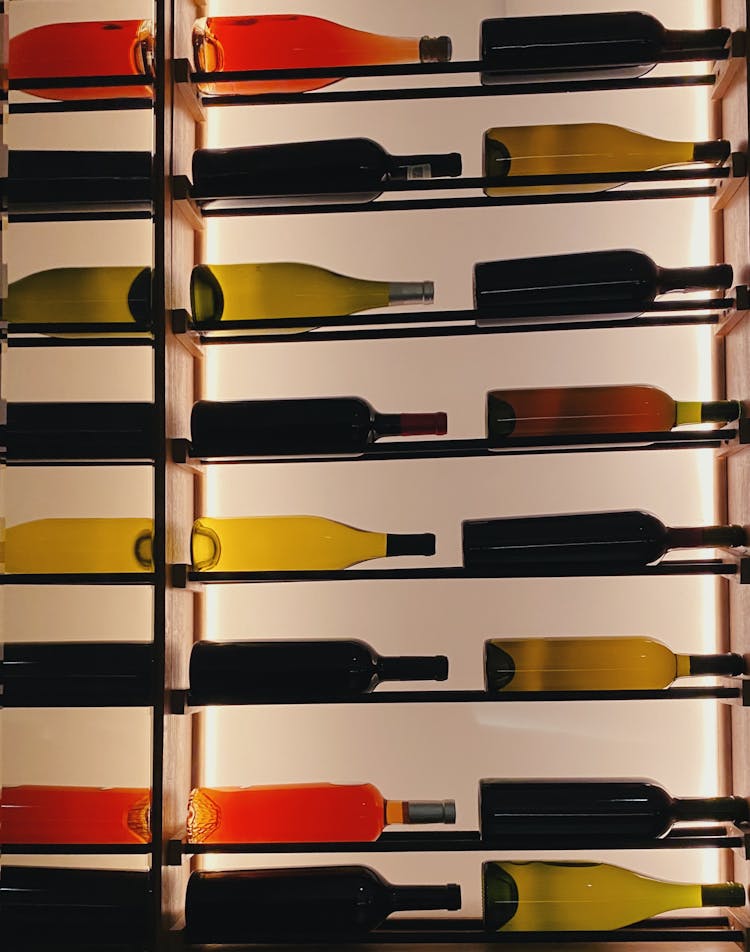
401, 69
83, 578
510, 697
423, 316
471, 842
456, 92
78, 215
342, 208
14, 342
73, 849
570, 570
78, 82
80, 105
464, 449
448, 330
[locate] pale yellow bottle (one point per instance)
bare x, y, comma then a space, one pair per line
116, 295
572, 897
52, 546
583, 147
294, 543
245, 292
594, 664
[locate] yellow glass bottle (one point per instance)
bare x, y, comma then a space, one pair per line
244, 292
583, 147
294, 543
568, 897
594, 664
117, 295
50, 546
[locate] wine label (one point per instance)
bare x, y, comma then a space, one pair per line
418, 171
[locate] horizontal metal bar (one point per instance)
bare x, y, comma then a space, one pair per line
455, 92
511, 697
15, 341
80, 105
82, 578
393, 69
571, 570
75, 849
427, 316
447, 330
78, 215
575, 198
78, 82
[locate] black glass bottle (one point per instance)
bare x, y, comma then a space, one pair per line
77, 674
343, 425
329, 170
616, 284
50, 908
285, 672
584, 810
81, 431
587, 46
300, 904
631, 537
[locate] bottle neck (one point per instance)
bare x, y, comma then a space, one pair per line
435, 49
711, 411
411, 292
412, 669
694, 279
705, 537
425, 897
696, 44
409, 424
723, 894
411, 167
734, 809
419, 543
419, 811
718, 664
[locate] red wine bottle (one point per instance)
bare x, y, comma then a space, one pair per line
341, 425
300, 904
77, 674
81, 431
632, 536
329, 170
288, 672
584, 810
587, 46
37, 179
73, 908
598, 284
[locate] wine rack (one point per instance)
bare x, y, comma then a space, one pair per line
178, 348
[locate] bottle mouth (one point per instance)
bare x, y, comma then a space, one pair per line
208, 53
144, 53
435, 49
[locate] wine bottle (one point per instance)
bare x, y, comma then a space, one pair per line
49, 546
303, 813
564, 897
248, 672
302, 904
50, 814
587, 46
77, 674
585, 810
558, 411
599, 284
294, 543
81, 431
610, 663
245, 292
117, 295
329, 170
630, 536
291, 41
102, 48
72, 908
582, 148
40, 178
340, 425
